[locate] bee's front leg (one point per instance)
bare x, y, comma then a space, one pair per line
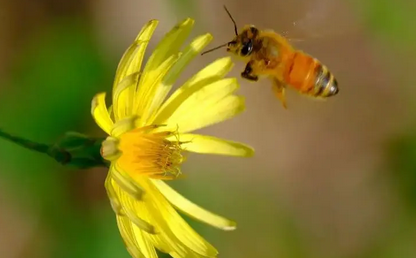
248, 73
279, 90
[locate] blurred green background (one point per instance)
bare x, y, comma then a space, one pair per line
329, 179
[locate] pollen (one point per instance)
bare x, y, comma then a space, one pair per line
150, 154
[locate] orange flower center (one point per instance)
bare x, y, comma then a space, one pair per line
150, 154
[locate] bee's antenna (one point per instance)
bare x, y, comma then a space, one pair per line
215, 48
231, 17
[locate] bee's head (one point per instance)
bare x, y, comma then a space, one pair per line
243, 43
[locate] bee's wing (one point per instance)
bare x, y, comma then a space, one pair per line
323, 18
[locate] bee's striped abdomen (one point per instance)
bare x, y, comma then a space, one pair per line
308, 76
325, 83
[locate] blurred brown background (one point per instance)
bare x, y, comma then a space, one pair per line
329, 179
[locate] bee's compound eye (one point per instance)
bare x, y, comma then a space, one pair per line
254, 31
246, 49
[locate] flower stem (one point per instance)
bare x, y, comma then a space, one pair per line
39, 147
72, 149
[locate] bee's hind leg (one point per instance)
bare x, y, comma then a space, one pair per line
248, 73
279, 91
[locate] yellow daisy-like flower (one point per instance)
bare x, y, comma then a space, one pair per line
148, 136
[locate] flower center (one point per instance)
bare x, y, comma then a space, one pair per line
150, 153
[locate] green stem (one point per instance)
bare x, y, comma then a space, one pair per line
39, 147
72, 150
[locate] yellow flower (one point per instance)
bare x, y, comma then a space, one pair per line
148, 137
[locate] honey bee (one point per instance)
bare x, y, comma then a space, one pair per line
267, 53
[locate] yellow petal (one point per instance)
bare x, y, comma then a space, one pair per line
131, 209
210, 105
224, 109
170, 44
130, 63
165, 239
123, 96
112, 196
148, 88
125, 182
140, 223
144, 243
190, 254
100, 113
169, 221
124, 125
193, 210
211, 73
133, 57
125, 204
129, 237
189, 53
212, 145
110, 112
125, 225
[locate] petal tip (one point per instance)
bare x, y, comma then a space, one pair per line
234, 80
151, 23
146, 31
231, 227
226, 59
184, 24
95, 101
249, 152
208, 36
228, 62
241, 104
204, 39
187, 22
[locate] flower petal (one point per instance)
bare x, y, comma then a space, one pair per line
132, 228
100, 113
124, 125
186, 57
210, 105
123, 96
131, 63
193, 210
132, 59
177, 231
212, 145
145, 244
124, 181
212, 73
173, 234
127, 202
169, 46
129, 237
149, 89
112, 196
125, 225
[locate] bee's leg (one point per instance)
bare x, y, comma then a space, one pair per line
279, 91
248, 72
